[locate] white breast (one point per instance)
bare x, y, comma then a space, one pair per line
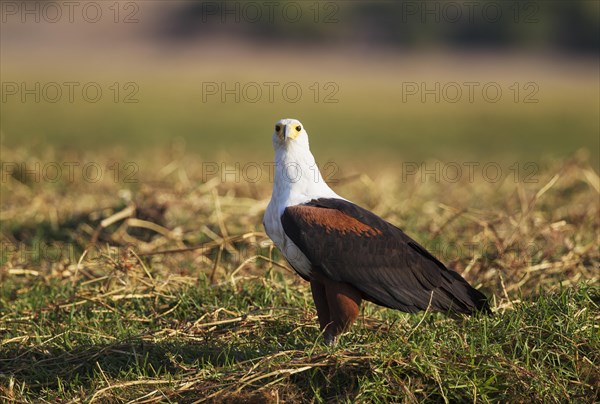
297, 259
297, 181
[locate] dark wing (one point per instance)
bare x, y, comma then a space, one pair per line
347, 243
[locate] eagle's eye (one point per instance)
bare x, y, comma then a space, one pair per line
277, 128
298, 128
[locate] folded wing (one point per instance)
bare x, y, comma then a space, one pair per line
347, 243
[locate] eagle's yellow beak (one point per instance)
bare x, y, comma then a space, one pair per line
289, 131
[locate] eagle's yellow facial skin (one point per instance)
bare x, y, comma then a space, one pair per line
289, 131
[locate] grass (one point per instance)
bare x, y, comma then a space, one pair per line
257, 342
167, 290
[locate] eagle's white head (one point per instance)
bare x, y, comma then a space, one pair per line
297, 176
290, 133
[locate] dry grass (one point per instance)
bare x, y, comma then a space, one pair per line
168, 290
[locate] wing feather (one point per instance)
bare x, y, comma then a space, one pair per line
347, 243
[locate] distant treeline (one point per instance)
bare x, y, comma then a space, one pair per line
567, 25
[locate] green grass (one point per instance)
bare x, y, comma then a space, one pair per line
229, 322
258, 340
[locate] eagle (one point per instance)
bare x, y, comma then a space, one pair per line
347, 253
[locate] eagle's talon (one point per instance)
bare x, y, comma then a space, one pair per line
330, 340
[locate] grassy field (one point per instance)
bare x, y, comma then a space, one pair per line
134, 266
166, 289
547, 108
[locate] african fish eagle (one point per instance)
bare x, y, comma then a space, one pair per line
348, 253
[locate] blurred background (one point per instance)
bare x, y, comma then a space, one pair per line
135, 139
400, 79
